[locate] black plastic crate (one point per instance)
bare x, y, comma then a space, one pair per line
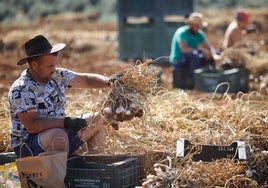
81, 173
220, 81
208, 152
7, 157
112, 158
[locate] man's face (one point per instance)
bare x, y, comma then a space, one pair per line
45, 67
243, 24
194, 27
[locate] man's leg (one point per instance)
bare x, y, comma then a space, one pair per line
182, 75
50, 140
195, 60
54, 140
94, 134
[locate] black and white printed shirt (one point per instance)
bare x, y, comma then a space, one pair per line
48, 100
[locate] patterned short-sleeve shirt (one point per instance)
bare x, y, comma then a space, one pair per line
48, 100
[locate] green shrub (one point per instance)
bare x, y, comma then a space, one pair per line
41, 9
78, 5
6, 11
33, 9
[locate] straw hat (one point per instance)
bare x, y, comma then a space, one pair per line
38, 46
197, 18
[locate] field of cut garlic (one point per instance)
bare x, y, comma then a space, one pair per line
165, 113
217, 119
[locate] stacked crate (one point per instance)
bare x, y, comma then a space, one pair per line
144, 31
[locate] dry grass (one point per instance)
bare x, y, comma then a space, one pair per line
4, 122
175, 114
170, 115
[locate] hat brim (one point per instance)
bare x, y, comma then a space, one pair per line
203, 24
55, 48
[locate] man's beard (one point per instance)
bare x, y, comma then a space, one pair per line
193, 31
48, 78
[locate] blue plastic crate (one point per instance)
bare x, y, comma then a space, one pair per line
81, 173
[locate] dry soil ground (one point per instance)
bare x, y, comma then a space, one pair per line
93, 46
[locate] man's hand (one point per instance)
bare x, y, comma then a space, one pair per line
74, 123
115, 77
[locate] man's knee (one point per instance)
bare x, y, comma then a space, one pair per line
54, 140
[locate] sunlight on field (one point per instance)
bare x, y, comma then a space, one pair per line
203, 118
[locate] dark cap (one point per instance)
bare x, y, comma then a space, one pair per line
242, 16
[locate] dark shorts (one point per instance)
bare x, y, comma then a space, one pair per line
32, 147
190, 61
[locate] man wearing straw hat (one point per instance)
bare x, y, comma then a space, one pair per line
189, 51
37, 100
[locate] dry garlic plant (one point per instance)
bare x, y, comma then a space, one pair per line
129, 92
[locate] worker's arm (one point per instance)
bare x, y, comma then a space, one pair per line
33, 124
90, 80
206, 50
185, 48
